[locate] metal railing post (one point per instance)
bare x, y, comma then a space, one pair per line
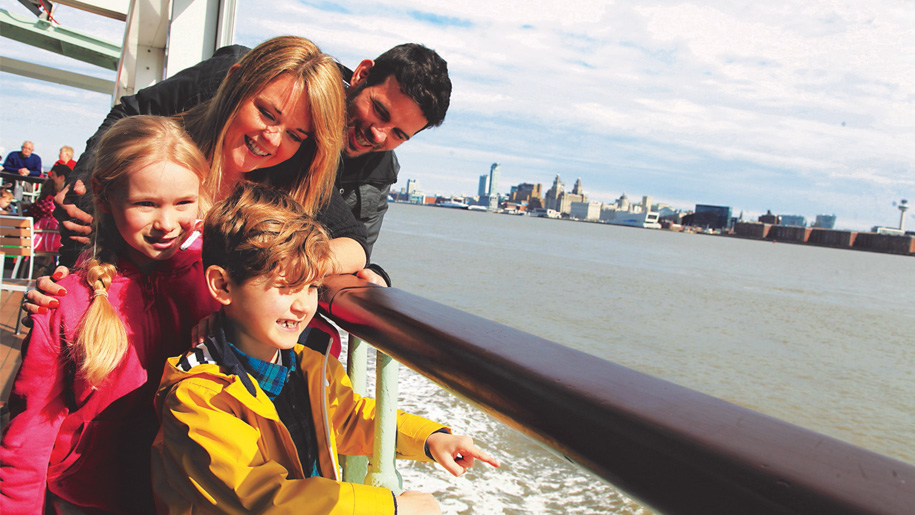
355, 467
382, 471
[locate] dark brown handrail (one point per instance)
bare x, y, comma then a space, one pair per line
672, 448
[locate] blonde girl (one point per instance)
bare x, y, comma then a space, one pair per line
82, 413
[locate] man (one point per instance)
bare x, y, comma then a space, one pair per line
386, 107
389, 100
23, 162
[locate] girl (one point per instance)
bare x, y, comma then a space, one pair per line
42, 210
82, 414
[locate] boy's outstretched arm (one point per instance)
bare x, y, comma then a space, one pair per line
456, 452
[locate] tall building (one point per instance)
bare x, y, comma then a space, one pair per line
825, 222
493, 189
493, 179
551, 199
558, 199
483, 190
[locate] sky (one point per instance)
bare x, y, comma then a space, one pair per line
798, 107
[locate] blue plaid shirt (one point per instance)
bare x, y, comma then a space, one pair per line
270, 376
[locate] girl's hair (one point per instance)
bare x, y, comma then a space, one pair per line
130, 144
208, 122
259, 231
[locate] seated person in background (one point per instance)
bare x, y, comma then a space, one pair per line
65, 157
251, 421
23, 162
42, 210
6, 198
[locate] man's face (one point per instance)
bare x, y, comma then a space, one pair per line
379, 117
27, 149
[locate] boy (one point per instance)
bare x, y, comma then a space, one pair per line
251, 421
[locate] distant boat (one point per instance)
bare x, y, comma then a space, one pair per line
647, 220
457, 204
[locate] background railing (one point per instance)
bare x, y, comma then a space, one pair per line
672, 448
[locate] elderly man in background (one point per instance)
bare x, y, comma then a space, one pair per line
24, 162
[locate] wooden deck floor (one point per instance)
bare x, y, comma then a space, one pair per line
9, 344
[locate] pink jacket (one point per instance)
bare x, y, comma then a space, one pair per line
92, 446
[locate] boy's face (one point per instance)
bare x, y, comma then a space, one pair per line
5, 201
267, 315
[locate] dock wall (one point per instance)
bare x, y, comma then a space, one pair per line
874, 242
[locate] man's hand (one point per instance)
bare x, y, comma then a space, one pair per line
456, 453
79, 222
24, 171
419, 503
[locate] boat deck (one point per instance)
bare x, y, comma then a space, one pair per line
9, 346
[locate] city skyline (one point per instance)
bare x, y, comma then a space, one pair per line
798, 107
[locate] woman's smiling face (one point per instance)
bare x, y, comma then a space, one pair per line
269, 127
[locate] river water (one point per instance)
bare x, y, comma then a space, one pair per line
814, 336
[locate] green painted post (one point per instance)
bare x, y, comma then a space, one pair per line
355, 467
382, 471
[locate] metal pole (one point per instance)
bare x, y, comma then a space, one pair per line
382, 471
355, 467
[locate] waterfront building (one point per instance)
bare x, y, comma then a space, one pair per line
768, 218
585, 210
711, 217
483, 190
793, 220
527, 194
825, 222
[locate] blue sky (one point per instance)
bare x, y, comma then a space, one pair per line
801, 107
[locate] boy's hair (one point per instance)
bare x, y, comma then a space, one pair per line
422, 74
260, 231
131, 143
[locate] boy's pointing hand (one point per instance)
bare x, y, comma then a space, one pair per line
456, 452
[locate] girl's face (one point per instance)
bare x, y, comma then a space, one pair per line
155, 209
269, 127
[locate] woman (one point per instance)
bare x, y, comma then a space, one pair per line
276, 118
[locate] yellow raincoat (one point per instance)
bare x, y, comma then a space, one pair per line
220, 449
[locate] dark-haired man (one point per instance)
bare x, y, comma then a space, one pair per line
389, 100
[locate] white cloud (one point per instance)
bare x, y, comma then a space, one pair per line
806, 103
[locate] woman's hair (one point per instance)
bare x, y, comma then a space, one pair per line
258, 231
130, 144
68, 149
208, 122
